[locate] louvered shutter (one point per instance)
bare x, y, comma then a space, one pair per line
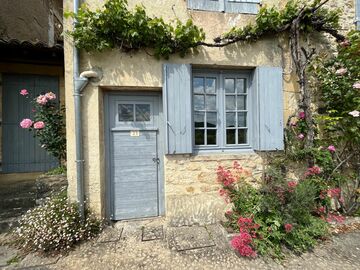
211, 5
268, 109
177, 100
242, 6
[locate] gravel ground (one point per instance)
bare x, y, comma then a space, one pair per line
122, 247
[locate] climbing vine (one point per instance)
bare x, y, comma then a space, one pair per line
115, 26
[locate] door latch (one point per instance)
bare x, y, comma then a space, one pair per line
157, 160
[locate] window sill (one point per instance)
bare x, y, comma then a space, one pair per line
227, 151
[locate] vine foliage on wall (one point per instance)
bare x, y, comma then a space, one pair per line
115, 26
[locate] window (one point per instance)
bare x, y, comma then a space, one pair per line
130, 112
229, 6
220, 109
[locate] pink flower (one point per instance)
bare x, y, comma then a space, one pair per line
334, 193
293, 124
39, 125
42, 100
24, 92
288, 227
292, 185
355, 113
50, 96
356, 85
331, 148
341, 71
26, 123
313, 171
302, 115
301, 136
242, 244
321, 210
345, 43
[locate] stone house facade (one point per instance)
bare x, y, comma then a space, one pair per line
154, 131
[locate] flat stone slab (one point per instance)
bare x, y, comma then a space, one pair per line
150, 233
6, 254
32, 261
110, 235
189, 238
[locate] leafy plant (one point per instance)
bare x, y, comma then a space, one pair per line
48, 123
55, 226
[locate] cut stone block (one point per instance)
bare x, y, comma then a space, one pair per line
188, 238
152, 233
110, 235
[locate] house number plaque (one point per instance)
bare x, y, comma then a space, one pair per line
134, 133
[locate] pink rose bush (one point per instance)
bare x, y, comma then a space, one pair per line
47, 123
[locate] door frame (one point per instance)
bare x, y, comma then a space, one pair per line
109, 192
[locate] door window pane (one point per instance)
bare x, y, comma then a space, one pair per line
210, 85
199, 119
211, 137
230, 136
142, 112
198, 84
229, 86
230, 103
199, 102
199, 137
126, 112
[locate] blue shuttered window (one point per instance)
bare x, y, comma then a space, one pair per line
357, 19
223, 110
268, 115
178, 108
229, 6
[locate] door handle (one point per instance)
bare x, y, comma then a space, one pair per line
157, 160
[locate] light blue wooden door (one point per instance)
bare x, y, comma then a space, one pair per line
21, 151
134, 157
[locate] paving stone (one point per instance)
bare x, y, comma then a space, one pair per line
110, 235
150, 233
187, 238
6, 253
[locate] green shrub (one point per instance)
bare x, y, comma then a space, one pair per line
55, 226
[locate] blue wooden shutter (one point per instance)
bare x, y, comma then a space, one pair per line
268, 104
178, 108
211, 5
242, 6
357, 19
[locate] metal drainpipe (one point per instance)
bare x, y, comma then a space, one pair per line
79, 85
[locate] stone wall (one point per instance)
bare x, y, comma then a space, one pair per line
191, 188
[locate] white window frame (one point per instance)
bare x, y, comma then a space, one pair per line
221, 145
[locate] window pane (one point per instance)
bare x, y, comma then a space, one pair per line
230, 136
211, 119
229, 85
230, 119
242, 136
230, 103
199, 102
199, 119
142, 112
210, 85
240, 86
242, 119
241, 102
126, 112
198, 84
211, 103
199, 137
211, 137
